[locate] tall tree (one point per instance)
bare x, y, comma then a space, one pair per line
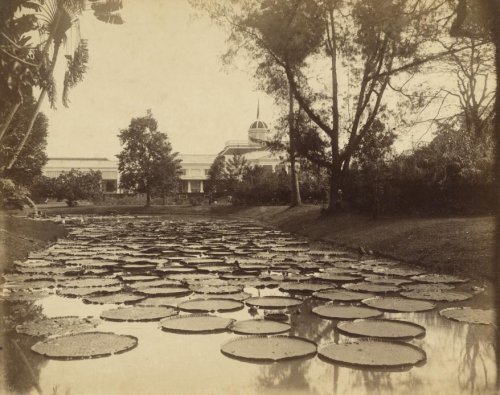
54, 19
318, 43
146, 162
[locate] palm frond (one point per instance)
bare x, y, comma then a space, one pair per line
77, 67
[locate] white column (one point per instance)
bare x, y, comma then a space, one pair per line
201, 186
189, 186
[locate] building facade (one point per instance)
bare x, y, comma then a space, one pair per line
194, 167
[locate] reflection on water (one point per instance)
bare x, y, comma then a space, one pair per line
460, 358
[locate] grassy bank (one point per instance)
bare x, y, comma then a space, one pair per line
461, 245
19, 236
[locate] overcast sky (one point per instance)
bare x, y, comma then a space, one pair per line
163, 57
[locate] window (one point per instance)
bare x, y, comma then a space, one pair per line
195, 186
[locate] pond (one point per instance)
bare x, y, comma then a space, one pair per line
199, 305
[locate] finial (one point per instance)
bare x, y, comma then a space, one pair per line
258, 108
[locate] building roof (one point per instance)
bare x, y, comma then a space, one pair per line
261, 125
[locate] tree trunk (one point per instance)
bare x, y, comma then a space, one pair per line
33, 205
148, 197
296, 200
39, 103
334, 197
10, 116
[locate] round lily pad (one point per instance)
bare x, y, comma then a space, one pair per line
164, 291
274, 348
399, 304
209, 305
213, 289
117, 298
57, 326
259, 327
86, 291
85, 345
332, 311
371, 287
439, 278
160, 301
471, 316
138, 313
273, 302
438, 296
337, 277
304, 287
341, 295
428, 287
240, 296
90, 282
397, 271
196, 324
384, 329
373, 354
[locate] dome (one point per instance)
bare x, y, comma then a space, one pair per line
258, 125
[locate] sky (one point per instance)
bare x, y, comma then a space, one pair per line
165, 57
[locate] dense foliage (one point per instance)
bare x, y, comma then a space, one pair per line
146, 162
69, 186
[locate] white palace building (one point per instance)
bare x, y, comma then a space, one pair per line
194, 167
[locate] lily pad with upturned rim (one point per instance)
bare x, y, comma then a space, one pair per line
371, 287
57, 326
438, 296
398, 304
469, 315
196, 323
382, 329
126, 298
336, 312
209, 305
259, 327
273, 302
85, 345
269, 349
138, 313
439, 279
341, 295
373, 354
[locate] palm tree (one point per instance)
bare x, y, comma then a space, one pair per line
56, 18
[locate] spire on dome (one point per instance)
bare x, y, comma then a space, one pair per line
258, 108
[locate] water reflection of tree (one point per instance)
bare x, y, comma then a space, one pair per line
473, 369
20, 367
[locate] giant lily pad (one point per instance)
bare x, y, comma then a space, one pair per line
304, 287
259, 327
117, 298
428, 287
337, 312
385, 329
209, 305
341, 295
274, 348
57, 326
85, 345
138, 313
196, 324
273, 302
399, 304
337, 277
86, 291
371, 287
373, 354
438, 296
216, 289
164, 291
439, 278
471, 316
90, 282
